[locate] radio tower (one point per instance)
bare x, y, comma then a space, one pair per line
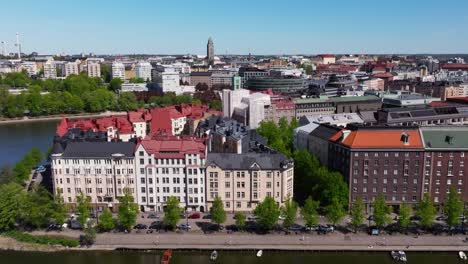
18, 44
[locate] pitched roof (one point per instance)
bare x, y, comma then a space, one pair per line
173, 147
445, 137
245, 161
379, 138
98, 149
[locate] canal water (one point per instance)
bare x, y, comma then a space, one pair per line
197, 257
18, 139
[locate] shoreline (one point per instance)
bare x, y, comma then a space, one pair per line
247, 242
59, 117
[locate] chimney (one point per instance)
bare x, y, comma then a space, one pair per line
405, 138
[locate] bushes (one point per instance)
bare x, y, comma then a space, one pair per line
43, 240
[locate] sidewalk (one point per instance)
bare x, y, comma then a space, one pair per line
243, 241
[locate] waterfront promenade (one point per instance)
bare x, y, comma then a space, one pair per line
58, 117
241, 241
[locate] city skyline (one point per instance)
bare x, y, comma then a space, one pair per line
182, 27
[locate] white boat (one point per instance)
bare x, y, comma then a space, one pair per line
395, 255
259, 253
462, 255
402, 256
214, 255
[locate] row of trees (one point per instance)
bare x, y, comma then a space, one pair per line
425, 210
310, 177
77, 93
22, 169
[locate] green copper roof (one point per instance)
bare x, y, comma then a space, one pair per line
445, 137
354, 98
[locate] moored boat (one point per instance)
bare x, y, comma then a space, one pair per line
214, 255
395, 255
462, 255
259, 253
166, 257
402, 256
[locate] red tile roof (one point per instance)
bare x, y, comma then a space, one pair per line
454, 66
173, 147
379, 138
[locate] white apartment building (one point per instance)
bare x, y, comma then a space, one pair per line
50, 70
170, 167
100, 170
93, 69
118, 70
70, 68
143, 70
30, 67
244, 180
232, 99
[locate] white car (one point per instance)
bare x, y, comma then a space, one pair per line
251, 217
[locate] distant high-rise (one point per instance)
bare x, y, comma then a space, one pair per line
210, 52
143, 70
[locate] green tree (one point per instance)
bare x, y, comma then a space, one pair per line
404, 215
115, 84
37, 208
335, 211
127, 101
34, 100
82, 207
106, 72
106, 221
137, 80
289, 211
216, 105
12, 196
196, 102
172, 212
218, 215
128, 211
60, 210
381, 211
357, 213
426, 211
453, 207
240, 220
267, 213
310, 212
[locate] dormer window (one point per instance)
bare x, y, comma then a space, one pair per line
449, 140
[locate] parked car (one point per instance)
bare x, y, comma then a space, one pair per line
184, 227
140, 226
296, 228
55, 227
194, 216
374, 232
74, 224
251, 217
207, 216
153, 216
324, 229
441, 218
310, 228
281, 217
157, 225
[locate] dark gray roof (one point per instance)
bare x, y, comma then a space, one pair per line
246, 161
325, 131
98, 149
57, 148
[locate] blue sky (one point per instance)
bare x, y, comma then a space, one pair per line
237, 27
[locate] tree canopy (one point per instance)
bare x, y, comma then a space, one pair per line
309, 212
128, 211
381, 211
267, 213
289, 211
218, 215
453, 207
172, 212
426, 211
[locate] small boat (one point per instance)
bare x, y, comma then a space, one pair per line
259, 253
166, 257
462, 255
402, 256
214, 255
395, 255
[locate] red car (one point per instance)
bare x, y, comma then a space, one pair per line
194, 216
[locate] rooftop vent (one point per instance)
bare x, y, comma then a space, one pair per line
405, 138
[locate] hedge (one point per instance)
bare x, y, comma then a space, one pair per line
45, 240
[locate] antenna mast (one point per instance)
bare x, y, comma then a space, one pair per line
18, 44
